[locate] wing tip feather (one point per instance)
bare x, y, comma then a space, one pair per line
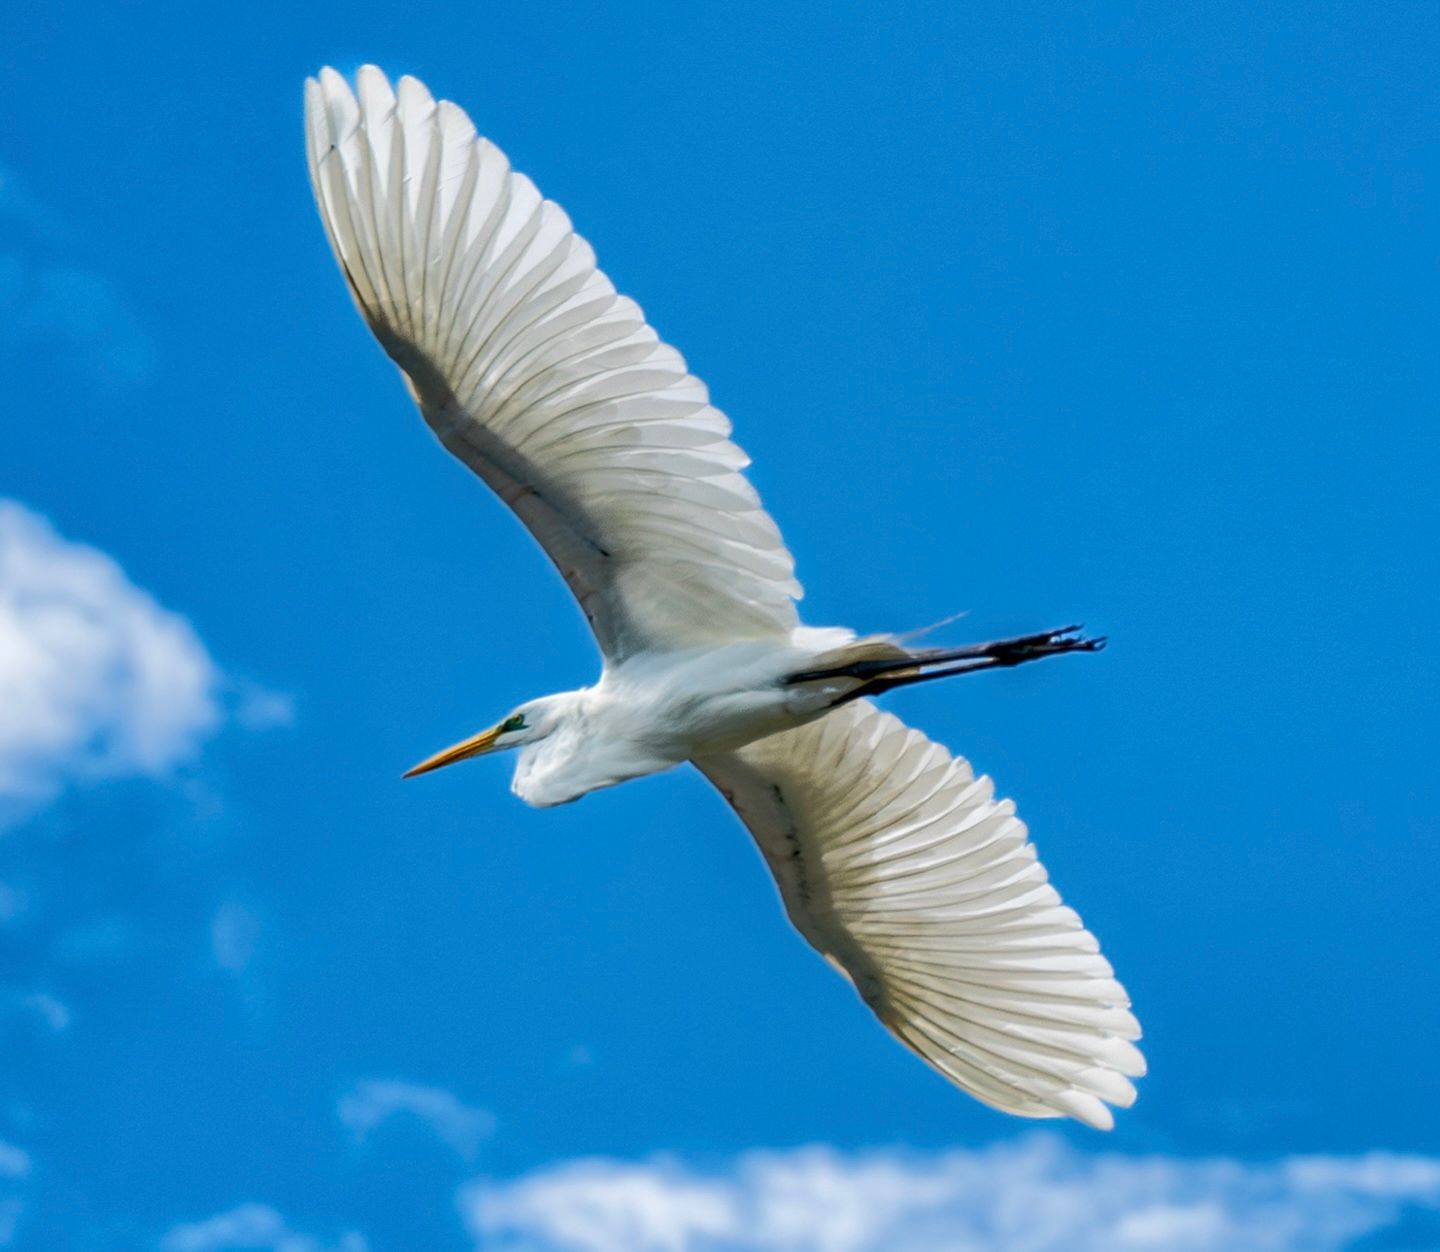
457, 261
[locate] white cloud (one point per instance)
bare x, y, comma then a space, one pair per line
97, 680
1033, 1194
47, 299
373, 1102
253, 1227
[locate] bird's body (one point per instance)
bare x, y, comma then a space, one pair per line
893, 859
659, 709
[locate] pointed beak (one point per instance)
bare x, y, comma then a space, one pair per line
476, 745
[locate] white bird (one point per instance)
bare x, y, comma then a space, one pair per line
893, 859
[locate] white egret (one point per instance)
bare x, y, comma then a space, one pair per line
893, 859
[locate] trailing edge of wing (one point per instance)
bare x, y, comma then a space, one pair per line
898, 864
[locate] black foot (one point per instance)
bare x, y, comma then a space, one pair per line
1031, 647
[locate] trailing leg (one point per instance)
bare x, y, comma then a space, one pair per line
877, 675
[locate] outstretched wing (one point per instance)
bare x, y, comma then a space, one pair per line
534, 372
898, 865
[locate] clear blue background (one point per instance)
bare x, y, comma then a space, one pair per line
1047, 312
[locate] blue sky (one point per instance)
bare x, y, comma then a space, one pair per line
1042, 312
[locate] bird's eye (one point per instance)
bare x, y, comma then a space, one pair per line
512, 723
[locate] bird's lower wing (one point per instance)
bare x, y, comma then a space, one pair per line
898, 865
534, 372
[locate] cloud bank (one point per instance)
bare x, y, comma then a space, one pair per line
97, 680
1034, 1194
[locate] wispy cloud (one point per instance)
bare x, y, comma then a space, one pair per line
259, 708
1034, 1194
13, 904
374, 1102
254, 1228
36, 1010
48, 299
14, 1173
14, 1162
234, 932
97, 680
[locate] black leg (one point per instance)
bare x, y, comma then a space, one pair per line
923, 665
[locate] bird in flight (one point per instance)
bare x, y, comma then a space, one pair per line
892, 858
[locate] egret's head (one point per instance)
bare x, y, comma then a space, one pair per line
525, 725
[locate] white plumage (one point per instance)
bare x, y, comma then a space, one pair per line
893, 859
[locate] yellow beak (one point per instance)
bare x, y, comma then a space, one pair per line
476, 745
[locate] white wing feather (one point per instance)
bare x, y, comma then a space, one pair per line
534, 372
898, 864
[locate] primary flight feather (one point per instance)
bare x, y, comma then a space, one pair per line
893, 859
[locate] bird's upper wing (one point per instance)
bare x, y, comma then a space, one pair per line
534, 372
898, 865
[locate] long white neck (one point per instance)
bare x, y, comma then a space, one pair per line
583, 751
